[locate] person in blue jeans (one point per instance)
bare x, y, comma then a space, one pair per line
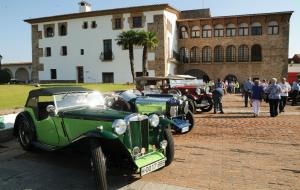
247, 91
274, 91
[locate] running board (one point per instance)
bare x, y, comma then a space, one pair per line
44, 146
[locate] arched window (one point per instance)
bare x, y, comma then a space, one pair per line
256, 54
273, 28
219, 30
206, 31
184, 55
230, 53
62, 30
49, 32
256, 29
195, 54
195, 32
206, 54
183, 32
230, 30
243, 53
243, 29
218, 54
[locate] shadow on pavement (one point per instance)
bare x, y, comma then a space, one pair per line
56, 170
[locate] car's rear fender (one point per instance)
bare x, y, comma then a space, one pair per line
24, 114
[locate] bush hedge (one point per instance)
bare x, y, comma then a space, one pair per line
4, 77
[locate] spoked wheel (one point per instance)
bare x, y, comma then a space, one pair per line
121, 105
192, 105
170, 146
25, 134
98, 162
209, 107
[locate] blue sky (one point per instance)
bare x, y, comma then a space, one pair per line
15, 35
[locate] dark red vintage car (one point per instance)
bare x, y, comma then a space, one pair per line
195, 90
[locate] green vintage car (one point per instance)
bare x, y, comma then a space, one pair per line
56, 118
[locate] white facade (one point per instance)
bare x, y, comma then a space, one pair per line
91, 41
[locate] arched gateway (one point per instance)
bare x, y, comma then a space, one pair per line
198, 73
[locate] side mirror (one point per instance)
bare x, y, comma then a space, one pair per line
50, 109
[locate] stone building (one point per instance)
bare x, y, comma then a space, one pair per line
81, 47
20, 71
233, 47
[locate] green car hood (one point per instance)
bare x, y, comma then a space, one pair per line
95, 114
146, 105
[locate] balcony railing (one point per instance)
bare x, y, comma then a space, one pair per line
106, 56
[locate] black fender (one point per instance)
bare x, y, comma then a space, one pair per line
26, 115
192, 97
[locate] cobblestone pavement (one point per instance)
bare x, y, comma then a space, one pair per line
236, 151
224, 151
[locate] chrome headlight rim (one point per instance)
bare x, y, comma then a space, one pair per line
184, 98
154, 120
186, 108
119, 126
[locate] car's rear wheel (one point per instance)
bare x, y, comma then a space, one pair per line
26, 133
98, 162
209, 107
190, 117
170, 146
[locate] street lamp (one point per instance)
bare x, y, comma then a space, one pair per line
0, 61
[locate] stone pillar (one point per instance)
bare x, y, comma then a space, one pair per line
158, 26
35, 36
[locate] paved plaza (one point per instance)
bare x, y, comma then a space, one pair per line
224, 151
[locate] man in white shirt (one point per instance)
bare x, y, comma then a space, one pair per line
286, 88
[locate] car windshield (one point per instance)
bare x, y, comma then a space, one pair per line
186, 82
79, 99
130, 94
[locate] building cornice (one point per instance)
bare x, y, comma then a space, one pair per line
244, 15
145, 8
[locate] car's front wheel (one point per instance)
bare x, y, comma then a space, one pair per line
98, 162
25, 133
170, 146
190, 117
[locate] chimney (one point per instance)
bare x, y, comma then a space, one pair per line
84, 7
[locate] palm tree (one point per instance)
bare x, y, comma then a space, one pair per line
148, 40
128, 39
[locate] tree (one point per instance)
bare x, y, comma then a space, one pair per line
148, 40
128, 39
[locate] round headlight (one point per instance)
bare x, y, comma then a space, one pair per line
180, 102
184, 98
173, 111
198, 91
120, 126
154, 120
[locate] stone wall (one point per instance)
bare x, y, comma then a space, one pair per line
274, 48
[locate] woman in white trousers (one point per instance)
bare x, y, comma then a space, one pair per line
257, 96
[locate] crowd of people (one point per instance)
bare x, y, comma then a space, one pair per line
254, 92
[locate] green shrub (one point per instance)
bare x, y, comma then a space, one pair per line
4, 77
